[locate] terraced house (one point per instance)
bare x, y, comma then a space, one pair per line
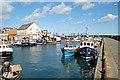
30, 30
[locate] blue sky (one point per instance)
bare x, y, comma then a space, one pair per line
63, 17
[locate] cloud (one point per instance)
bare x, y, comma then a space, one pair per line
67, 19
4, 17
48, 9
26, 2
87, 6
34, 16
5, 9
104, 3
115, 4
38, 13
61, 9
87, 14
107, 18
84, 3
94, 19
80, 22
78, 2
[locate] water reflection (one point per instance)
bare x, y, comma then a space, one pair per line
86, 68
67, 61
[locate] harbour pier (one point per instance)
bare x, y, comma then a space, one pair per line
108, 62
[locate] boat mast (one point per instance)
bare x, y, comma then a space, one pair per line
87, 34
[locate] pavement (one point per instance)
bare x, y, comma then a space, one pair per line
111, 49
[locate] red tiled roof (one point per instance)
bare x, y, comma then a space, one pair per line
10, 32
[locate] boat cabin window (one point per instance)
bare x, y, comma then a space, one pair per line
7, 47
84, 43
70, 46
3, 46
88, 44
81, 43
91, 44
0, 46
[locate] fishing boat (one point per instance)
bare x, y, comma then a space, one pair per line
10, 72
57, 39
6, 50
28, 43
68, 49
87, 50
40, 41
18, 43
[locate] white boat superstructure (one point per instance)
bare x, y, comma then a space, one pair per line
89, 44
5, 50
70, 47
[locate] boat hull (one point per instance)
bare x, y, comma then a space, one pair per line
68, 52
6, 54
86, 53
15, 78
28, 44
86, 56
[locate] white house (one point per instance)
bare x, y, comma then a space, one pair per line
30, 30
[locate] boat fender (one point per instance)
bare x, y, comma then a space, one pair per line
75, 50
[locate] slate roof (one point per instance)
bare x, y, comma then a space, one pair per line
25, 26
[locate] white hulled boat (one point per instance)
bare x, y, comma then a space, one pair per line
6, 50
10, 71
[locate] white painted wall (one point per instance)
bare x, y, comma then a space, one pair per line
33, 29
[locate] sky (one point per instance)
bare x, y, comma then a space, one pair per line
62, 17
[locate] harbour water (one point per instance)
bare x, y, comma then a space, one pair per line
46, 61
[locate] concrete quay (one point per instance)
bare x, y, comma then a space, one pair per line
111, 51
108, 67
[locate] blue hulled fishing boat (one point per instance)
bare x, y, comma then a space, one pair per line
68, 49
87, 50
